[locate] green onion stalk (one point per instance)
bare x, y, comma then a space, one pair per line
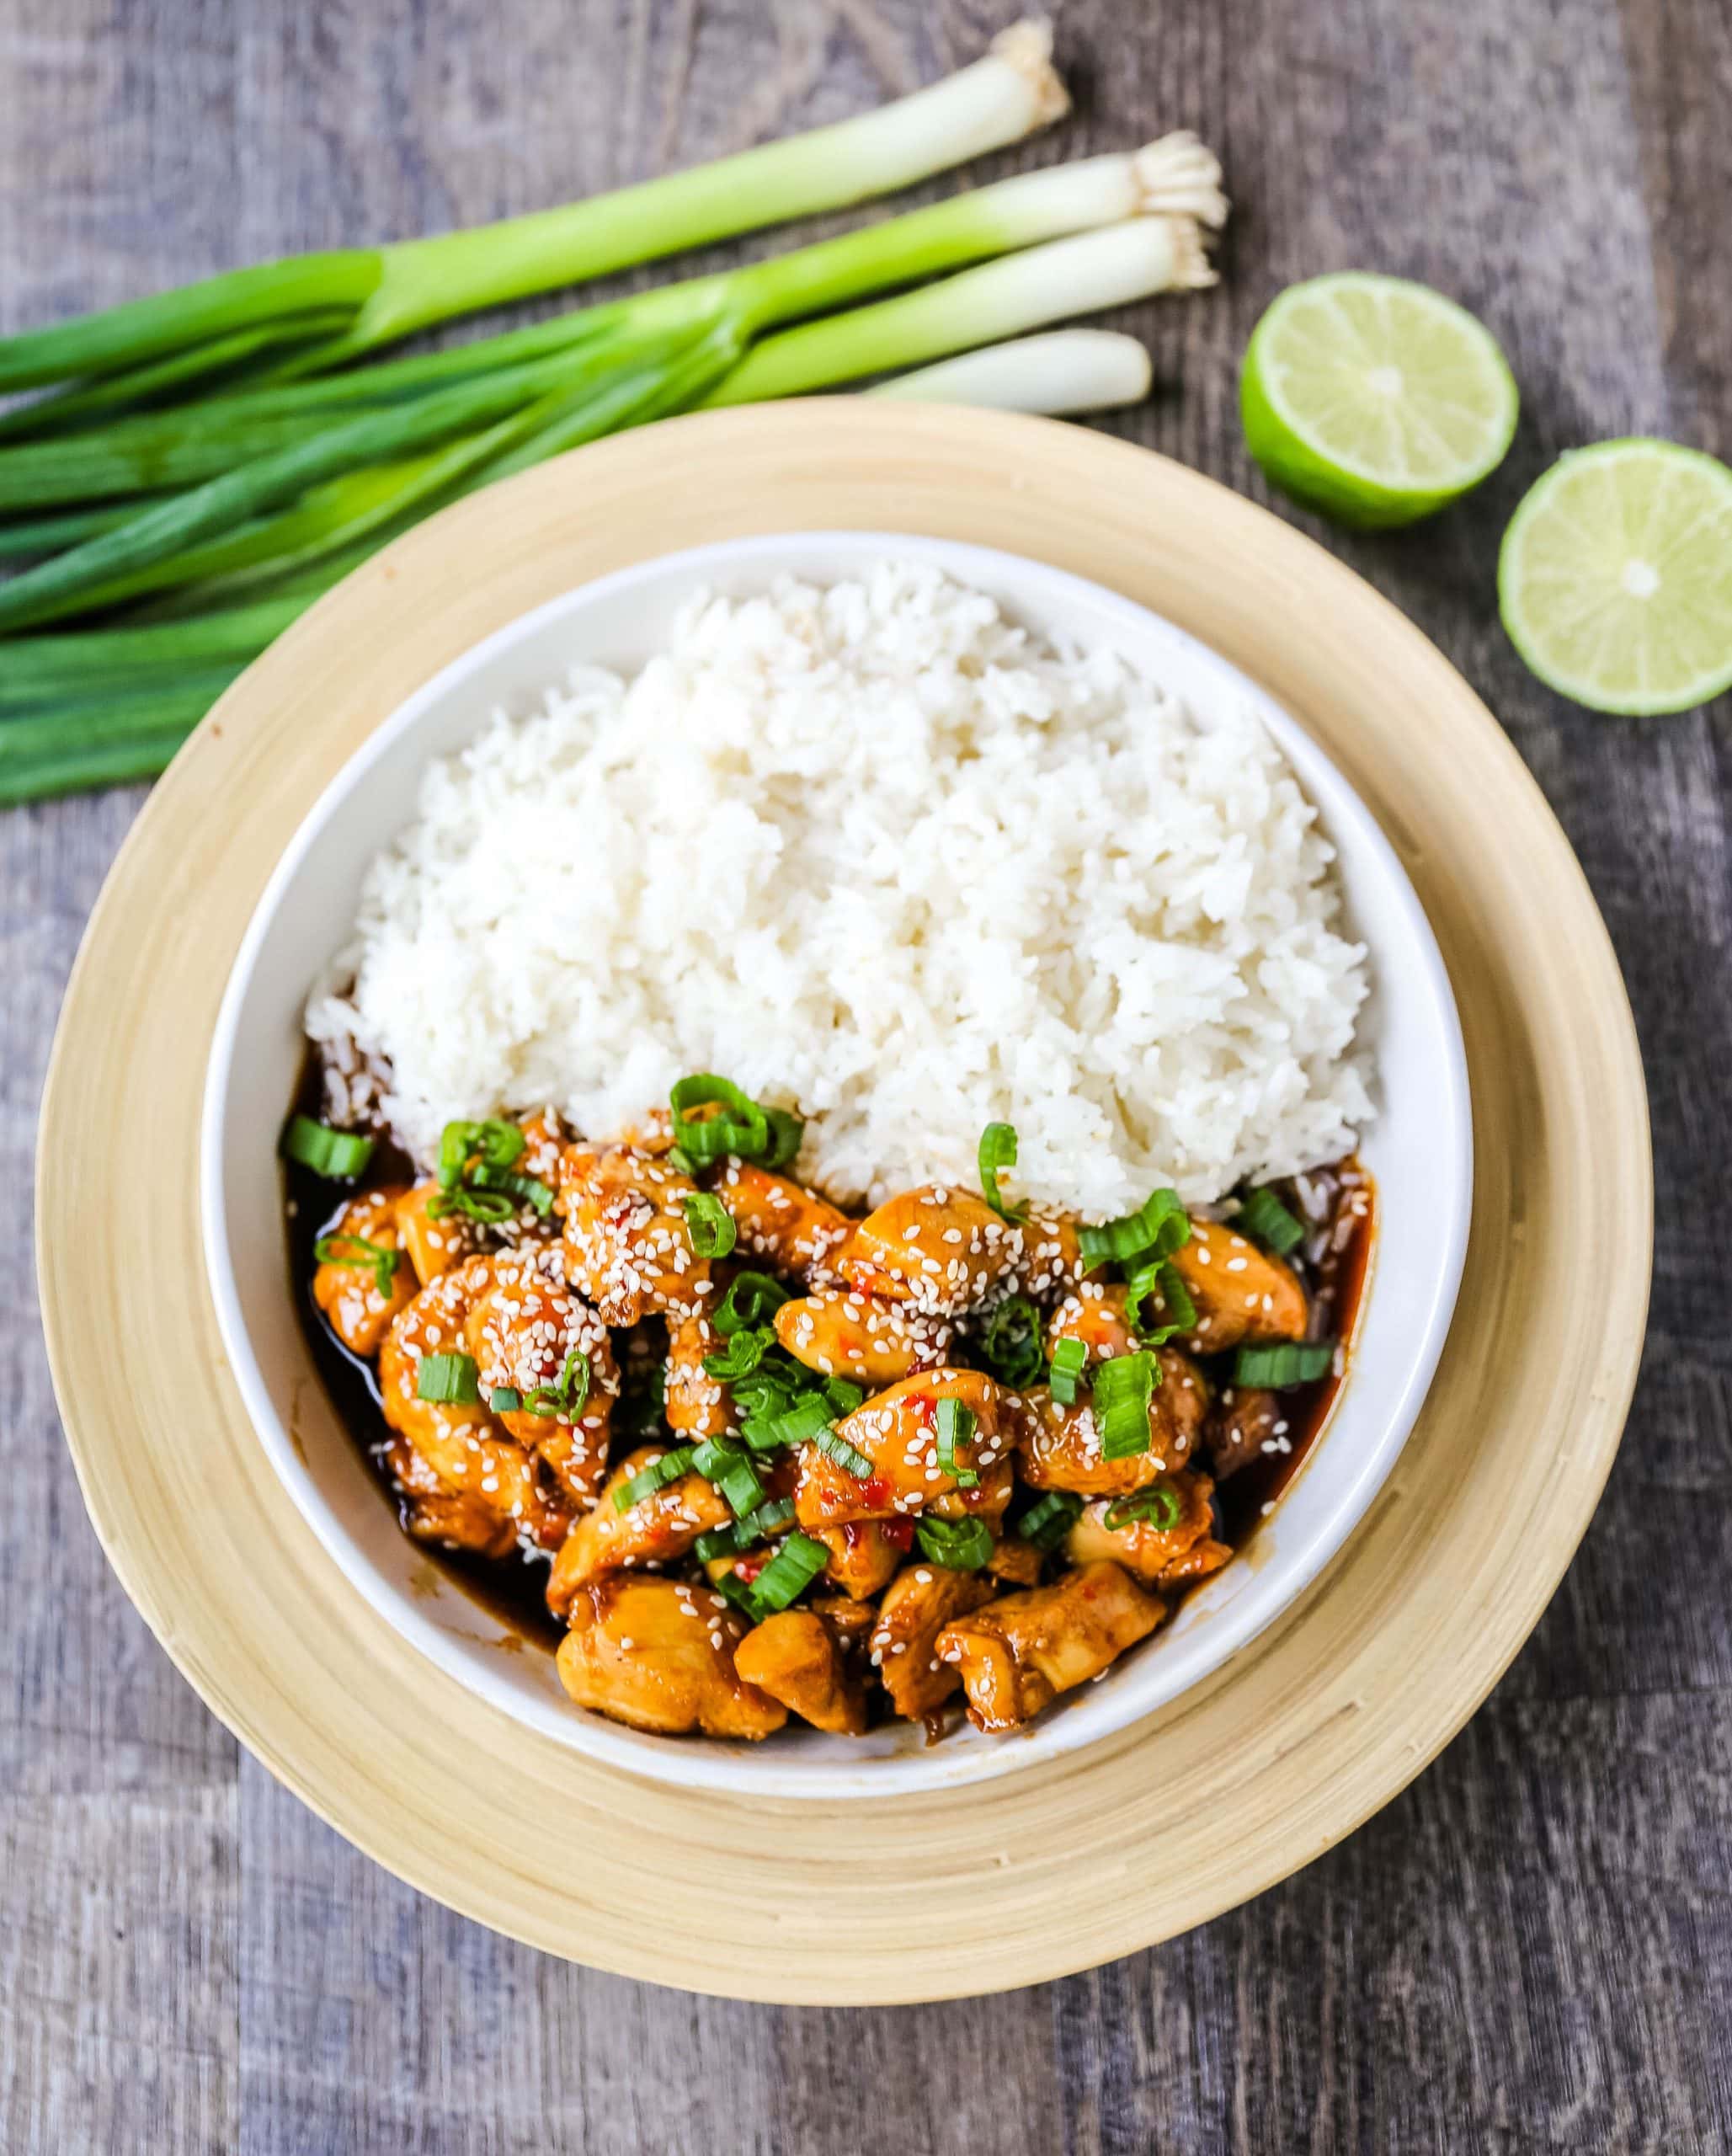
315, 311
352, 467
226, 565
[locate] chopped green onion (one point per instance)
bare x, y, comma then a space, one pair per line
742, 1354
1288, 1363
677, 1158
786, 1133
961, 1545
807, 1418
732, 1472
733, 1589
449, 1379
843, 1395
719, 1542
1263, 1215
1010, 1346
998, 1149
568, 1395
527, 1190
1160, 1507
1159, 1227
846, 1456
751, 1299
490, 1206
1070, 1358
1162, 1279
709, 1224
1050, 1518
774, 1513
505, 1400
788, 1574
657, 1475
494, 1144
743, 1128
338, 1155
956, 1426
381, 1261
1123, 1388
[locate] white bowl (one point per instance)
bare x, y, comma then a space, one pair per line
1420, 1149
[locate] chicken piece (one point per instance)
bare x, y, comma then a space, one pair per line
1241, 1292
1198, 1562
348, 1292
865, 1553
797, 1658
523, 1329
918, 1604
989, 1501
1244, 1422
695, 1404
656, 1529
1095, 1314
1052, 1263
432, 1514
1144, 1548
544, 1139
796, 1229
658, 1655
463, 1442
627, 1240
941, 1251
846, 1334
1014, 1563
436, 1241
898, 1432
1060, 1446
1017, 1656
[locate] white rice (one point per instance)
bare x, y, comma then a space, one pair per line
876, 852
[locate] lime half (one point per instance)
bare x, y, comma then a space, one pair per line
1615, 578
1375, 400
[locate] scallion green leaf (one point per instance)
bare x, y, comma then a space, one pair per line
1070, 1358
788, 1574
961, 1545
1161, 1280
786, 1132
848, 1457
505, 1400
357, 1252
955, 1426
998, 1149
752, 1299
1263, 1215
741, 1128
657, 1475
338, 1155
568, 1394
843, 1395
1159, 1227
1010, 1346
709, 1224
1050, 1518
1160, 1507
744, 1351
732, 1472
449, 1379
1289, 1363
1123, 1388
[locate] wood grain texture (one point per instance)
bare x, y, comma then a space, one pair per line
1529, 1950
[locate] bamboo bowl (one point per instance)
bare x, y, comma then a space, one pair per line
1247, 1775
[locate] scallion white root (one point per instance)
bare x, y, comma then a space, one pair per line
1000, 299
1064, 370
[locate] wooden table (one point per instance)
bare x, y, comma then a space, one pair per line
1532, 1948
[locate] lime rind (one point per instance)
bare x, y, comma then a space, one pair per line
1615, 578
1374, 399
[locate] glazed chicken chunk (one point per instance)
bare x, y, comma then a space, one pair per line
659, 1655
1019, 1653
1060, 1446
795, 1229
1177, 1530
627, 1235
660, 1527
800, 1658
896, 1434
918, 1604
844, 1333
1241, 1292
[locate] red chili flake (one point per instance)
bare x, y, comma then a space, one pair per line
748, 1568
899, 1532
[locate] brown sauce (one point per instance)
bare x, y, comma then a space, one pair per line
1334, 1265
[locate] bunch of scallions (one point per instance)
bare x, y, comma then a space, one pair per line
181, 476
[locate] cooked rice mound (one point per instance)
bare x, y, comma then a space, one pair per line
878, 853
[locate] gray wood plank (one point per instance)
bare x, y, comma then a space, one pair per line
1531, 1949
